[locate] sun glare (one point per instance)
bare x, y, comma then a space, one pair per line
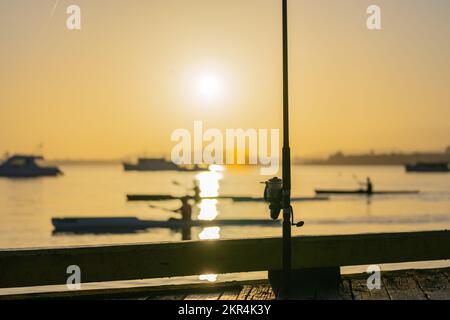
209, 86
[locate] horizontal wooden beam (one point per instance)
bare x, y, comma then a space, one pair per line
33, 267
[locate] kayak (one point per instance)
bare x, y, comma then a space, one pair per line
161, 197
117, 224
294, 199
158, 197
364, 192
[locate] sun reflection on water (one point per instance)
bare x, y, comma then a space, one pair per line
209, 183
209, 187
209, 233
208, 209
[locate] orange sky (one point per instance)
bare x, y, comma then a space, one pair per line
134, 72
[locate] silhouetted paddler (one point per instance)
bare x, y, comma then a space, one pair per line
369, 186
185, 209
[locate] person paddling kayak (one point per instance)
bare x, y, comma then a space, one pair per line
196, 190
186, 216
369, 186
185, 210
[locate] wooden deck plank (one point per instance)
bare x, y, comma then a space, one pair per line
403, 286
446, 271
244, 292
330, 293
345, 290
261, 292
434, 284
360, 290
230, 294
396, 285
169, 297
134, 298
203, 296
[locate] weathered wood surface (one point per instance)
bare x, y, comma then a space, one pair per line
403, 286
34, 267
230, 294
432, 284
261, 292
174, 297
244, 292
396, 285
346, 290
203, 296
359, 290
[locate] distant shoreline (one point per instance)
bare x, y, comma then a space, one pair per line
340, 158
83, 162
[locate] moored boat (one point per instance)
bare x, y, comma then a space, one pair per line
159, 164
25, 166
428, 167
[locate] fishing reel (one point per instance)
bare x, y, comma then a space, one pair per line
273, 194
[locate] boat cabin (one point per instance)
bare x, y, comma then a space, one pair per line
23, 166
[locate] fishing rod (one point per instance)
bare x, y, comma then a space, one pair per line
278, 191
286, 169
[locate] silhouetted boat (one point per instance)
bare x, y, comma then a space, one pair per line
165, 197
364, 192
24, 166
116, 224
428, 167
158, 164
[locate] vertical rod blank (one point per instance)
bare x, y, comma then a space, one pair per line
287, 260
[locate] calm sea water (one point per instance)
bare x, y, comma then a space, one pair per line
27, 205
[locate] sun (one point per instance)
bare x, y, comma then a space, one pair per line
209, 86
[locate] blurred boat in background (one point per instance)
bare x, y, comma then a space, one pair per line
428, 167
159, 164
25, 166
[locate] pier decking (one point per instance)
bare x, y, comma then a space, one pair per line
425, 284
429, 284
40, 267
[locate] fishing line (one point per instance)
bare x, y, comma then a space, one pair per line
47, 23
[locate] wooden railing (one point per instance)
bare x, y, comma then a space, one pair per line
33, 267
